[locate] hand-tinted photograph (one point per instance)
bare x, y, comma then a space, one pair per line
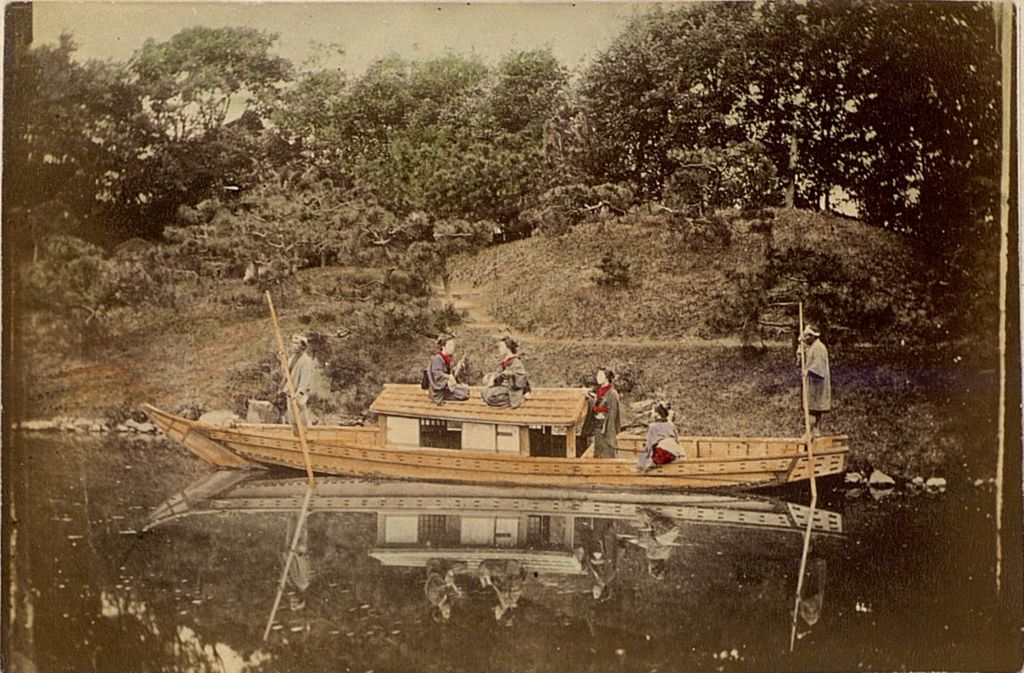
485, 337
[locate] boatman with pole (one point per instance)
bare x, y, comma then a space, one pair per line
819, 379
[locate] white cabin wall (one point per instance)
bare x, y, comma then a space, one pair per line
478, 436
403, 432
508, 438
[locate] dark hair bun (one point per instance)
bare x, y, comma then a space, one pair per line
511, 343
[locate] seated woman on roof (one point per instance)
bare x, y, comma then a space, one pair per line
662, 445
440, 377
508, 386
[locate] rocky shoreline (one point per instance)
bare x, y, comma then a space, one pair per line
87, 425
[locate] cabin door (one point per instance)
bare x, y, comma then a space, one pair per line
478, 436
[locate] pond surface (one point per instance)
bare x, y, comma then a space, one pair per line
131, 555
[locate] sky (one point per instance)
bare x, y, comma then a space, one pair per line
575, 32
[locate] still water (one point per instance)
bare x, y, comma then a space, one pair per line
131, 555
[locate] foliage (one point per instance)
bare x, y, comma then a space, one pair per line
562, 207
70, 130
849, 305
900, 129
81, 288
289, 222
448, 137
662, 86
614, 272
191, 80
737, 176
429, 258
121, 146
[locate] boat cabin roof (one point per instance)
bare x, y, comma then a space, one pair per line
544, 406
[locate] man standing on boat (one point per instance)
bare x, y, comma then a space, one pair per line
607, 421
441, 377
307, 377
818, 377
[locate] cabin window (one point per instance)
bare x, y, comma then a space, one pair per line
440, 434
544, 442
538, 529
438, 530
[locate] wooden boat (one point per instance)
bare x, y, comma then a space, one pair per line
537, 444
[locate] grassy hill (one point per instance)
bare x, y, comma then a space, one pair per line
549, 285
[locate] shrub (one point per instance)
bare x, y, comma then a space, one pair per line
80, 288
850, 305
614, 272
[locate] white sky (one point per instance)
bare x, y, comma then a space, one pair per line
575, 32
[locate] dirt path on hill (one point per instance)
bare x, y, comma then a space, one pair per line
473, 301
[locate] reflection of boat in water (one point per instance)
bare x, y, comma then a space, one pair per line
538, 444
477, 547
407, 507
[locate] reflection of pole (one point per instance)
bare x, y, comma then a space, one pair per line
803, 562
293, 403
288, 561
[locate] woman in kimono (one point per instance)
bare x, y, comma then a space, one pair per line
508, 386
440, 587
441, 382
662, 444
659, 535
606, 418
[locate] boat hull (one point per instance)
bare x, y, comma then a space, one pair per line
358, 452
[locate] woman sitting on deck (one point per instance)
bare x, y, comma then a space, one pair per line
662, 445
509, 385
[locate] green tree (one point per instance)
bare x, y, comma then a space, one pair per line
429, 256
72, 129
526, 90
192, 80
192, 83
662, 86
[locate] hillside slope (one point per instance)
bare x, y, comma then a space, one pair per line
548, 285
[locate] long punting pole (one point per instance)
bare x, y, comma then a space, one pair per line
297, 419
814, 484
288, 561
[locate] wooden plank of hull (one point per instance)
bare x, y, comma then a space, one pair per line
495, 468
